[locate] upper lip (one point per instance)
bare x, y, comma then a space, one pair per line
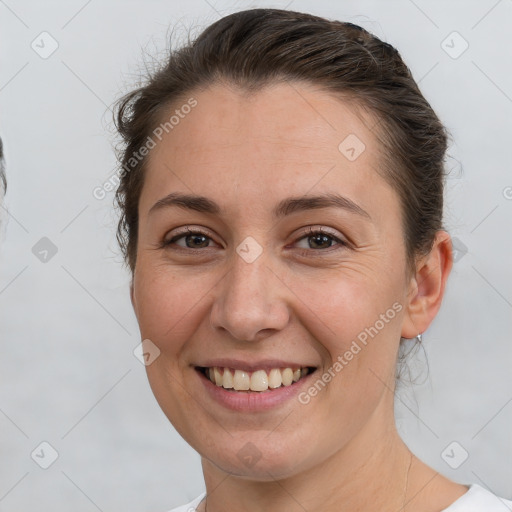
251, 366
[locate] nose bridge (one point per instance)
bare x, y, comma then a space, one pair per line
249, 298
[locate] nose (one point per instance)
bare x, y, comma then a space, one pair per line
251, 300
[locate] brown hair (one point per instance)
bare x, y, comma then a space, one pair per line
256, 47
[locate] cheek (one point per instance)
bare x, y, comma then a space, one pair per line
169, 304
341, 305
356, 320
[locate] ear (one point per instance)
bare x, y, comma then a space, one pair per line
132, 297
427, 286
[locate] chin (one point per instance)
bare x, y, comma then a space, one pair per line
257, 458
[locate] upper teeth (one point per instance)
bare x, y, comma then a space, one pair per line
258, 380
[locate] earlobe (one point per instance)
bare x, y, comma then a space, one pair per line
427, 286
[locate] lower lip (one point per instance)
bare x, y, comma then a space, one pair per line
253, 401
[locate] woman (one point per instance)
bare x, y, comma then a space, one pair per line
281, 196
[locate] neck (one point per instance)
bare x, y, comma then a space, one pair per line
371, 472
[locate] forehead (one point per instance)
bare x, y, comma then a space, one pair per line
285, 112
286, 138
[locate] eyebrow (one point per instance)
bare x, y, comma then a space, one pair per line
285, 207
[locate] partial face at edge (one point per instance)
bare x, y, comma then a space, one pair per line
304, 298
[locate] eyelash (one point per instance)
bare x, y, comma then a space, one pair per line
310, 232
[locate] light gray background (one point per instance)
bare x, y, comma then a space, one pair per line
68, 373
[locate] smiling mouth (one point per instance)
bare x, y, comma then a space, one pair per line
254, 381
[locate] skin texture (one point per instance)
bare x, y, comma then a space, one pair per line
296, 301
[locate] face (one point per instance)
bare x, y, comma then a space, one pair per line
258, 275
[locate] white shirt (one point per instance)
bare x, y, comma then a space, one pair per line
476, 499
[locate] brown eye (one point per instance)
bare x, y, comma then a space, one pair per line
196, 241
320, 239
192, 240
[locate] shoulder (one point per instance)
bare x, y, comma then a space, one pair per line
190, 507
478, 499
